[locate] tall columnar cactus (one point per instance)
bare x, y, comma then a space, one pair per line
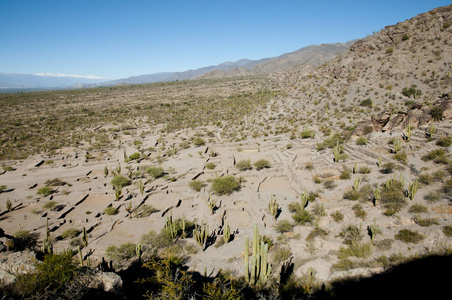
184, 226
373, 230
140, 186
355, 168
336, 152
84, 237
226, 233
171, 226
80, 255
408, 131
138, 251
47, 246
273, 206
397, 145
258, 271
200, 234
377, 195
432, 129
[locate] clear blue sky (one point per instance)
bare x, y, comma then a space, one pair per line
117, 39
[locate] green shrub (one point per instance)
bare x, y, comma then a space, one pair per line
432, 196
51, 279
329, 184
359, 211
25, 240
359, 250
283, 226
135, 155
447, 230
70, 233
366, 103
364, 170
50, 205
412, 91
337, 216
444, 141
210, 166
110, 210
361, 141
392, 196
197, 141
119, 181
424, 222
346, 173
388, 167
243, 165
351, 195
409, 236
331, 142
55, 182
281, 254
418, 209
401, 156
122, 253
434, 154
225, 185
437, 113
316, 232
155, 172
261, 164
45, 191
300, 216
144, 211
196, 185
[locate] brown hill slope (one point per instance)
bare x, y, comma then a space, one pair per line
412, 59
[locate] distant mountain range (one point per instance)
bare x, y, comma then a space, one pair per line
311, 56
43, 81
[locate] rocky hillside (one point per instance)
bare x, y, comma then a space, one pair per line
409, 61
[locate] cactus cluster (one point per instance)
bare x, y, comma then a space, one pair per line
200, 233
412, 189
337, 152
373, 230
257, 267
47, 247
170, 226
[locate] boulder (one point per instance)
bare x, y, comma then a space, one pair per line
107, 281
379, 121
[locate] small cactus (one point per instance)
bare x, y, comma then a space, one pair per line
226, 234
357, 183
9, 205
212, 204
273, 207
